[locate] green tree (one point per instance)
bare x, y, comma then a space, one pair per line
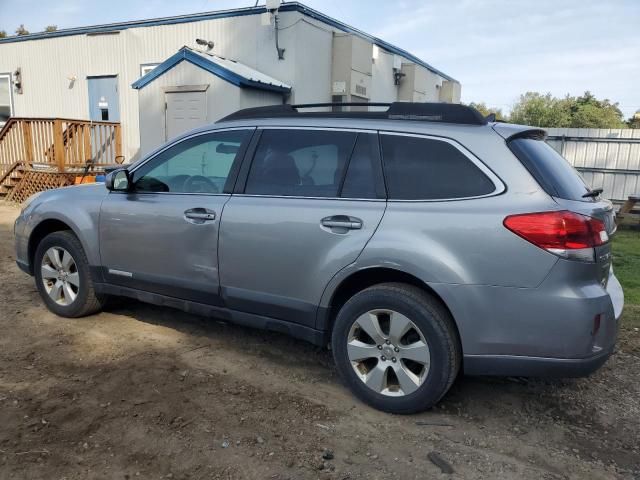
3, 34
539, 110
634, 122
585, 111
50, 28
589, 112
484, 110
21, 30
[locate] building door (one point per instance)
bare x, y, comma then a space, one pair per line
184, 111
104, 104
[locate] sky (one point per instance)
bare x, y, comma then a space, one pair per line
497, 49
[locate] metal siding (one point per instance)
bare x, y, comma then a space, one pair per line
608, 160
47, 65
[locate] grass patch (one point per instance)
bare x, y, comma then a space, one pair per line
626, 265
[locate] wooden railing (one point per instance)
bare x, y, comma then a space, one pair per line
58, 143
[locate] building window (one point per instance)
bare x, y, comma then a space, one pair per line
6, 105
147, 67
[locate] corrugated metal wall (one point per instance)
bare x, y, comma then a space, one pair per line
607, 158
55, 70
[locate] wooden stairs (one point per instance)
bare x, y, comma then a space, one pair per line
11, 178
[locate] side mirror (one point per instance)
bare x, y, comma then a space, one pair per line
118, 180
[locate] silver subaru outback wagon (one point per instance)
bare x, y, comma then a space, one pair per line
418, 242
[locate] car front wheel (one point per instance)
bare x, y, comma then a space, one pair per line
62, 276
396, 348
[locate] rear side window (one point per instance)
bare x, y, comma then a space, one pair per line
554, 174
363, 173
306, 163
428, 169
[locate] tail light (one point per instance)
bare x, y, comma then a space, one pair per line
563, 233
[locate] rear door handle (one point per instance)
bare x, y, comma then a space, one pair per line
199, 215
342, 221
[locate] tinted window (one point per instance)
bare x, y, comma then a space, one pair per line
425, 169
554, 174
361, 178
198, 165
307, 163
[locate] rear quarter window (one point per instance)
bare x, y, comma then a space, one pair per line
553, 172
429, 169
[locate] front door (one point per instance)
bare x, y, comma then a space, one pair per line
104, 104
312, 200
162, 236
184, 111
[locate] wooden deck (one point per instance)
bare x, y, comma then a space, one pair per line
41, 153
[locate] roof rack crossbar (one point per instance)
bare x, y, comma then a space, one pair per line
429, 112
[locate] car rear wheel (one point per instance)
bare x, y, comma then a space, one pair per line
396, 348
62, 276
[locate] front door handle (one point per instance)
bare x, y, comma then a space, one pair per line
199, 215
342, 221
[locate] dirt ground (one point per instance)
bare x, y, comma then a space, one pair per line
146, 392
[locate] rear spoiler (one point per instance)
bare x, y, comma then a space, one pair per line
510, 131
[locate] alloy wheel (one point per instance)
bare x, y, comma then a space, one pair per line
388, 352
60, 276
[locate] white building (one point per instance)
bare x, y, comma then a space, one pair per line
109, 71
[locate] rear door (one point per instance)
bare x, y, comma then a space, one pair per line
307, 202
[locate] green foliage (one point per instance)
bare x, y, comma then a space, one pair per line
3, 34
50, 28
21, 30
589, 112
634, 122
585, 111
539, 110
626, 263
484, 110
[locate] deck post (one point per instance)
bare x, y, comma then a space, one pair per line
58, 144
118, 135
88, 154
27, 141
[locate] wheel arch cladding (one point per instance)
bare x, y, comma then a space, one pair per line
41, 230
368, 277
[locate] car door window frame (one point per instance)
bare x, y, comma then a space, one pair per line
499, 185
245, 168
231, 177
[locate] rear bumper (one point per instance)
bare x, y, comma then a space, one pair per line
558, 329
511, 365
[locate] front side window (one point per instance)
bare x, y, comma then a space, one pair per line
201, 164
429, 169
6, 108
306, 163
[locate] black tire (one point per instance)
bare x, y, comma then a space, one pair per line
86, 301
434, 322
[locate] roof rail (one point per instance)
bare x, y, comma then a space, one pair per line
428, 112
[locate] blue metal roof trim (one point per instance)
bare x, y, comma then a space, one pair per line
186, 54
239, 12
